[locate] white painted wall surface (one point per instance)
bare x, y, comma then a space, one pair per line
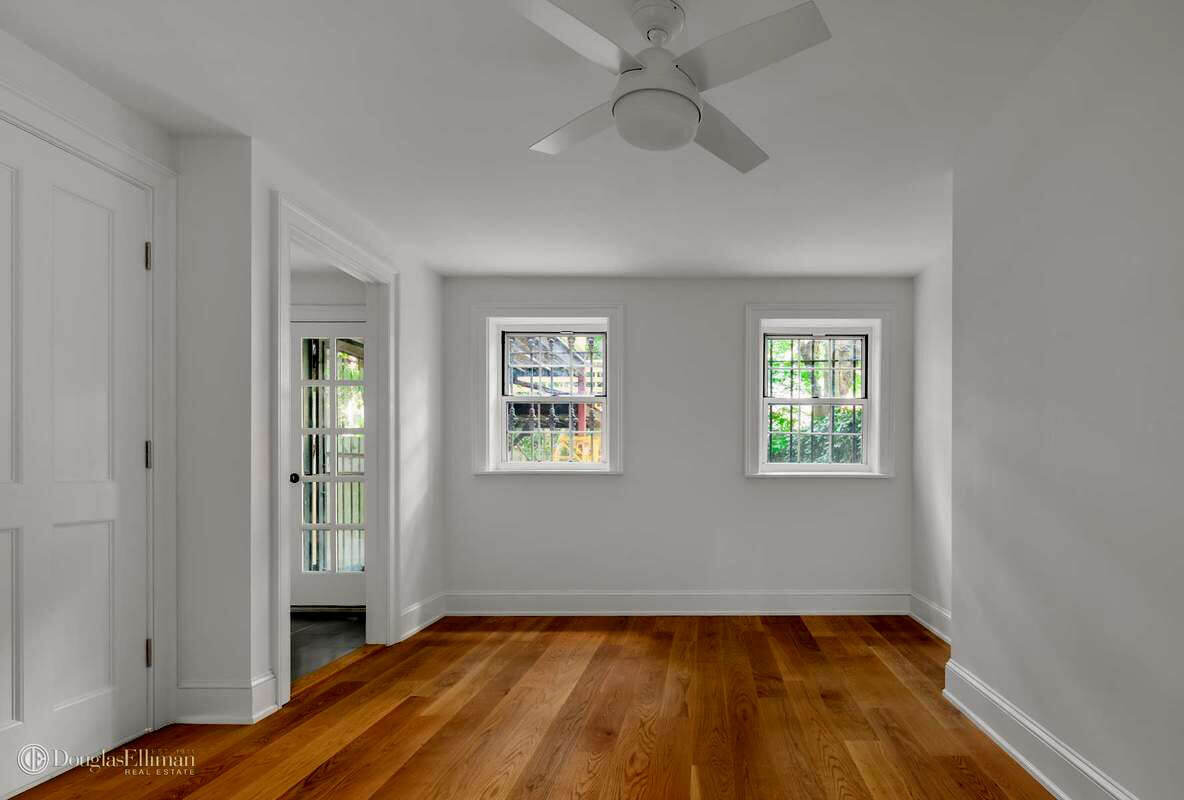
31, 74
682, 518
932, 435
1068, 325
329, 288
214, 513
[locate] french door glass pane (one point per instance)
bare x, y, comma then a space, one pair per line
351, 458
314, 550
314, 407
351, 551
349, 359
350, 409
314, 359
316, 503
350, 503
316, 454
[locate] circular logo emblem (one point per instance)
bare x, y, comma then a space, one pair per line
33, 759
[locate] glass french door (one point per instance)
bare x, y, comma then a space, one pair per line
331, 431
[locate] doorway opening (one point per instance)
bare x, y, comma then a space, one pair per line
329, 338
336, 487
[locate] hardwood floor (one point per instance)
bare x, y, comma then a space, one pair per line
809, 708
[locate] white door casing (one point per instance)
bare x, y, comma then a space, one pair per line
75, 391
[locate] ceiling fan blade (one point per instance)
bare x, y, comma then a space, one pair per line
585, 125
578, 35
745, 50
719, 136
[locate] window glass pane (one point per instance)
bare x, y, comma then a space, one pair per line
815, 434
351, 551
554, 365
803, 367
314, 359
314, 549
316, 454
314, 407
316, 503
350, 407
351, 458
350, 503
555, 432
349, 359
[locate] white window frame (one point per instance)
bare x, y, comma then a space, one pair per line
489, 326
872, 322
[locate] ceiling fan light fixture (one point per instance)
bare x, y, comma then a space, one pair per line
656, 119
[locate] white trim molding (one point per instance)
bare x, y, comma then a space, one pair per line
555, 603
420, 615
1067, 774
931, 615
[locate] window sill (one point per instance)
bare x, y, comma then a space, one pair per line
584, 472
825, 474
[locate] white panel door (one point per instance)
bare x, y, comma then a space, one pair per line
74, 400
333, 504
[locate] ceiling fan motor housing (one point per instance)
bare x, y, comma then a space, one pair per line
652, 16
657, 107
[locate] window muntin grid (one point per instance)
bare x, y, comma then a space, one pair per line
815, 394
554, 397
332, 420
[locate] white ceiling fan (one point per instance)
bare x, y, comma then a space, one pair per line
657, 103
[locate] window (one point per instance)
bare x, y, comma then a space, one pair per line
551, 399
816, 402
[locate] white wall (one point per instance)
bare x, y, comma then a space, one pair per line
682, 518
1068, 327
932, 453
50, 86
328, 288
214, 582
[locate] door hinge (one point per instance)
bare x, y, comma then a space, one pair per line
148, 255
148, 454
148, 652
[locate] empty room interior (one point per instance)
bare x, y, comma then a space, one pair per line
681, 399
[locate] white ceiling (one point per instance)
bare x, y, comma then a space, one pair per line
420, 115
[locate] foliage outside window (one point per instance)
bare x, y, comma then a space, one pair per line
814, 394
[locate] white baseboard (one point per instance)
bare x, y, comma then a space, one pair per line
1062, 770
417, 616
931, 615
673, 603
227, 703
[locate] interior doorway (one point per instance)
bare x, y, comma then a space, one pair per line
335, 492
328, 567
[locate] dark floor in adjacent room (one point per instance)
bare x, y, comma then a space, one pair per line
319, 637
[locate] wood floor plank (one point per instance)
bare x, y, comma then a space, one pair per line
604, 708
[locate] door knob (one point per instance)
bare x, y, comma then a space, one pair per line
294, 478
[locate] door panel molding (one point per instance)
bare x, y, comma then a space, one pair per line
157, 184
